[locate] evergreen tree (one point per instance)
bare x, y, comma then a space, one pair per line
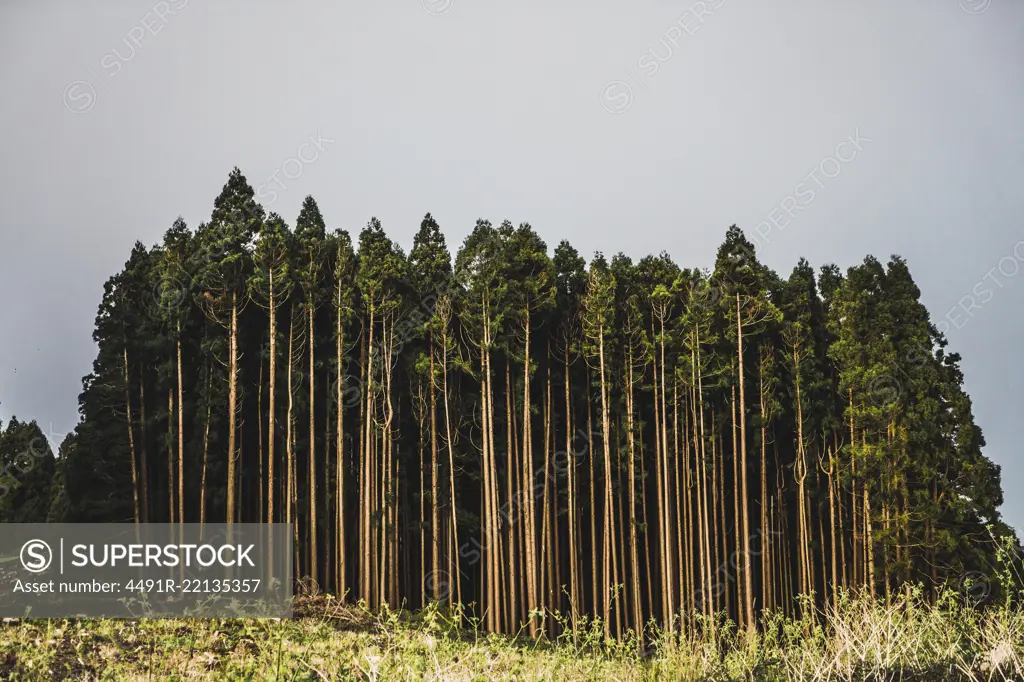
26, 472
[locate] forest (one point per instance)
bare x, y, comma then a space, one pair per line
522, 430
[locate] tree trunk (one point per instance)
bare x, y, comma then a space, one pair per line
368, 509
206, 449
181, 446
678, 520
451, 475
313, 558
609, 520
832, 526
549, 519
342, 579
533, 596
801, 476
487, 575
708, 523
392, 478
143, 463
747, 571
435, 524
421, 404
574, 597
514, 517
271, 413
868, 537
854, 501
633, 555
232, 410
667, 520
131, 440
289, 451
170, 457
659, 475
741, 611
766, 547
595, 585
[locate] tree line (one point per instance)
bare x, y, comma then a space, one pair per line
519, 430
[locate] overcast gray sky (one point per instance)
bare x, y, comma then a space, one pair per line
833, 129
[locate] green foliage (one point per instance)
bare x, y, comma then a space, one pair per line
26, 471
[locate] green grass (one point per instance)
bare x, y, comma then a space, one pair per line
861, 640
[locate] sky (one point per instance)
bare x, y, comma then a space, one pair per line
825, 130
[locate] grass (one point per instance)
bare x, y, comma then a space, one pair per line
909, 640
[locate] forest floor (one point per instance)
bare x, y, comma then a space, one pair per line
908, 640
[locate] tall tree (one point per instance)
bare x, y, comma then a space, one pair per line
235, 221
310, 233
430, 267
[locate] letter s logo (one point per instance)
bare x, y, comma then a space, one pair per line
79, 97
36, 556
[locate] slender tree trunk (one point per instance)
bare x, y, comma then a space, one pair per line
665, 457
131, 440
143, 463
574, 597
786, 570
741, 611
206, 449
595, 567
497, 555
633, 555
239, 508
393, 480
722, 553
313, 557
678, 520
647, 536
487, 587
369, 476
708, 523
687, 456
451, 474
659, 474
420, 418
693, 524
702, 593
868, 538
832, 525
435, 524
271, 413
747, 571
490, 483
549, 559
609, 520
339, 383
181, 445
801, 476
170, 456
765, 537
906, 533
289, 449
513, 517
232, 410
533, 596
854, 501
